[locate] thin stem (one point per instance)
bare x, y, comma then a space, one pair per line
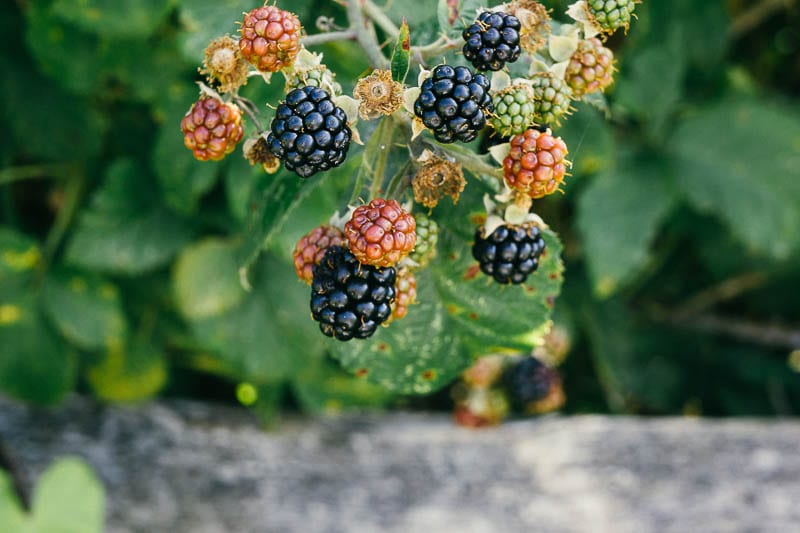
470, 161
247, 106
384, 147
12, 174
365, 35
396, 184
437, 48
755, 15
379, 17
329, 36
73, 191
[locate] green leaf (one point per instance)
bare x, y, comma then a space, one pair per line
636, 363
443, 16
12, 517
619, 214
68, 128
125, 230
326, 388
402, 54
398, 359
65, 53
115, 18
86, 309
267, 337
19, 254
68, 499
590, 141
489, 317
128, 373
205, 279
33, 365
274, 199
182, 178
652, 82
740, 160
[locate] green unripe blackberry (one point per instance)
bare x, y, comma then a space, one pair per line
552, 97
514, 110
427, 237
611, 14
315, 76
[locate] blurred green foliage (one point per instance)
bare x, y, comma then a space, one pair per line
68, 498
120, 254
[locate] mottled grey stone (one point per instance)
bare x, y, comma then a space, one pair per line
180, 466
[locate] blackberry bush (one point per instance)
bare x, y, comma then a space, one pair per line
388, 151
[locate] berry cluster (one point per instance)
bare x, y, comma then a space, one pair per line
361, 267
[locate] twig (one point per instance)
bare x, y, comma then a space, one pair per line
23, 172
250, 110
753, 17
379, 17
437, 48
725, 291
365, 34
772, 335
386, 134
329, 36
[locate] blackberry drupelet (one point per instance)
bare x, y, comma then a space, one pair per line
454, 103
529, 380
309, 133
510, 254
348, 299
492, 40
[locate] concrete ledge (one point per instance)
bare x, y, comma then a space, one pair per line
180, 466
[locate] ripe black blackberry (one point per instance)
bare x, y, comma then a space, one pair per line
492, 40
510, 253
349, 299
454, 103
529, 380
309, 132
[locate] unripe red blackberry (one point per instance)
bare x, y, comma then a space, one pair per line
551, 98
311, 248
270, 38
454, 103
510, 254
590, 69
349, 299
381, 233
211, 128
535, 164
492, 40
309, 133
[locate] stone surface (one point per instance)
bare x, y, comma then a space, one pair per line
181, 466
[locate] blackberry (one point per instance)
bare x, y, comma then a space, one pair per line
529, 381
454, 103
492, 41
309, 132
349, 299
510, 253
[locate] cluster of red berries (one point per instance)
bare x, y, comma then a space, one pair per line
355, 285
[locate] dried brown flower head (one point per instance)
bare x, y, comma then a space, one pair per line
256, 151
224, 65
378, 94
535, 23
436, 178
